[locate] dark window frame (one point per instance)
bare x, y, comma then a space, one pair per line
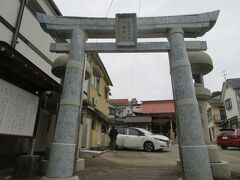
228, 104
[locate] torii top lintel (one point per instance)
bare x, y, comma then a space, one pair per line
194, 25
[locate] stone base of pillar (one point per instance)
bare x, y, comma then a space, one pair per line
221, 170
27, 166
213, 153
80, 165
44, 164
60, 178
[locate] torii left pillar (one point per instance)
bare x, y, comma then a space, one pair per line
62, 155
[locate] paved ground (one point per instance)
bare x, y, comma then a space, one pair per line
232, 155
140, 165
134, 165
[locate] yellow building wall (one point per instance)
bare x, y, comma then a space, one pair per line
99, 139
94, 142
216, 110
102, 104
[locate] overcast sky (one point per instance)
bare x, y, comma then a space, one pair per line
146, 76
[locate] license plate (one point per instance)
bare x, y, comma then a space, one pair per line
224, 137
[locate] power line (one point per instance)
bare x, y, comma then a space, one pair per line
109, 8
139, 7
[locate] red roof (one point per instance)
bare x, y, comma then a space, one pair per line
157, 107
119, 102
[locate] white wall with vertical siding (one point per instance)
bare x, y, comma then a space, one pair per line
230, 93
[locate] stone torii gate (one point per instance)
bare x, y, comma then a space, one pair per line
126, 28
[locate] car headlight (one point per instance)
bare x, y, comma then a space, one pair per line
159, 139
166, 141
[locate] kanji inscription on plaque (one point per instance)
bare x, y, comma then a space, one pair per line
126, 29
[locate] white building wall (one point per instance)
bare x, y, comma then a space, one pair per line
46, 7
230, 93
35, 58
5, 34
31, 29
9, 10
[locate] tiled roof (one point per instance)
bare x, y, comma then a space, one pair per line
138, 119
158, 106
119, 102
234, 83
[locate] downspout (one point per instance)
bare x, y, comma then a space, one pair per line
18, 23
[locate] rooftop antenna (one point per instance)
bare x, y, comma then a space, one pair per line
224, 75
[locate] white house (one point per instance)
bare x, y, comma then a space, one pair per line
231, 98
122, 107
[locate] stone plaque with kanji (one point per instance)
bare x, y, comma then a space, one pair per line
126, 29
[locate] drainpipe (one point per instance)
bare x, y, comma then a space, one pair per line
18, 23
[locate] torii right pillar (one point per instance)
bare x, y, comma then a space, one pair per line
192, 149
201, 64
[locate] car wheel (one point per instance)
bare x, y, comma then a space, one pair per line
148, 146
224, 147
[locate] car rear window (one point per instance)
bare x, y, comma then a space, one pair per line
226, 132
238, 132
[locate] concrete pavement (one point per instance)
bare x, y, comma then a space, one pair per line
140, 165
132, 165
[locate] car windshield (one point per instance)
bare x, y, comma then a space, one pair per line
144, 131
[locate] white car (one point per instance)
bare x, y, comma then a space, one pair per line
138, 138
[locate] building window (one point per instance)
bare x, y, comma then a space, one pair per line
106, 92
93, 124
104, 128
228, 104
96, 81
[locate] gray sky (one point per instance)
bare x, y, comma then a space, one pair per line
146, 75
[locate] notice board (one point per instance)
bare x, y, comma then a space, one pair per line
18, 110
